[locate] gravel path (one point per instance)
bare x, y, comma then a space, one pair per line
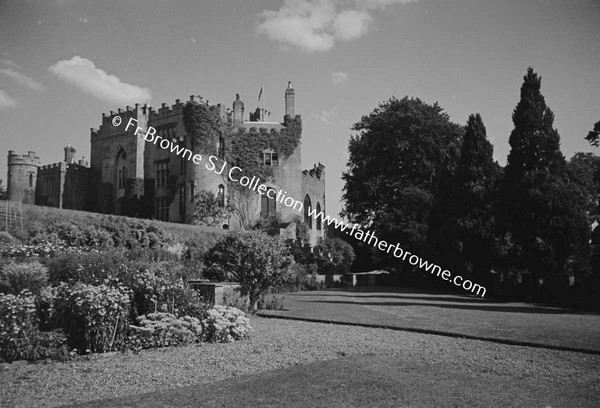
277, 344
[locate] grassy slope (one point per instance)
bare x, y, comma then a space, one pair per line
33, 214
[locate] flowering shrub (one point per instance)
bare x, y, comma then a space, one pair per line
17, 321
15, 277
39, 249
93, 317
225, 324
19, 335
6, 238
162, 330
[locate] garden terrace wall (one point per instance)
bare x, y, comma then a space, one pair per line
218, 293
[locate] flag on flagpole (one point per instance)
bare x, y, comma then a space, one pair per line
261, 92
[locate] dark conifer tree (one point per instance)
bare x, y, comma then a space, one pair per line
467, 236
541, 210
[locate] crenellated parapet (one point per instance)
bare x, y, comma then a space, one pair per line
110, 126
29, 159
317, 173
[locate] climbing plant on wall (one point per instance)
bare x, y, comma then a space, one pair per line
246, 147
204, 127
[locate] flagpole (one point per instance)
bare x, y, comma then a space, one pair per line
263, 100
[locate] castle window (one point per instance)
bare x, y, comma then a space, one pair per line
48, 187
318, 220
267, 203
162, 173
182, 201
270, 159
221, 196
221, 148
182, 165
161, 209
307, 210
30, 180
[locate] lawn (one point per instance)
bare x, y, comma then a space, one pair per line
417, 310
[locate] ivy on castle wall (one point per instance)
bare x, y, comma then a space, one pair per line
246, 147
134, 188
243, 148
203, 126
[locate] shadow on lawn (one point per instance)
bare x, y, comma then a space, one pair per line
447, 298
490, 308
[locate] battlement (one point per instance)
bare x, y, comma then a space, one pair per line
21, 159
128, 112
317, 172
64, 166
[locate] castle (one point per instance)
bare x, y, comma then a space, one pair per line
128, 176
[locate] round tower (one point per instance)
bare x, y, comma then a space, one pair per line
22, 176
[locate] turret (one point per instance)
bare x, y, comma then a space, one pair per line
22, 176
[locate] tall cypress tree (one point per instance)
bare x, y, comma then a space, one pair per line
467, 236
535, 144
540, 208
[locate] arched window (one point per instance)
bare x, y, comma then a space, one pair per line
267, 203
121, 166
318, 220
221, 196
307, 208
221, 148
30, 180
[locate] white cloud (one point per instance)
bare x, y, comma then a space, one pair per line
22, 79
316, 25
9, 63
6, 101
83, 19
326, 116
338, 78
82, 73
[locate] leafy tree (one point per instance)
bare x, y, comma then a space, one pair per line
207, 210
594, 135
403, 153
3, 193
467, 236
542, 208
333, 256
585, 170
256, 260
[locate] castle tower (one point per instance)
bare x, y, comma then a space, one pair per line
69, 153
22, 176
289, 100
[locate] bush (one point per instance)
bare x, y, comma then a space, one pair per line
254, 259
224, 324
16, 277
163, 330
17, 321
333, 256
87, 267
7, 239
93, 317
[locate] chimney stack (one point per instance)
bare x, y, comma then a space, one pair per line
69, 153
238, 110
289, 101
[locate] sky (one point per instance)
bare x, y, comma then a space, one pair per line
65, 62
